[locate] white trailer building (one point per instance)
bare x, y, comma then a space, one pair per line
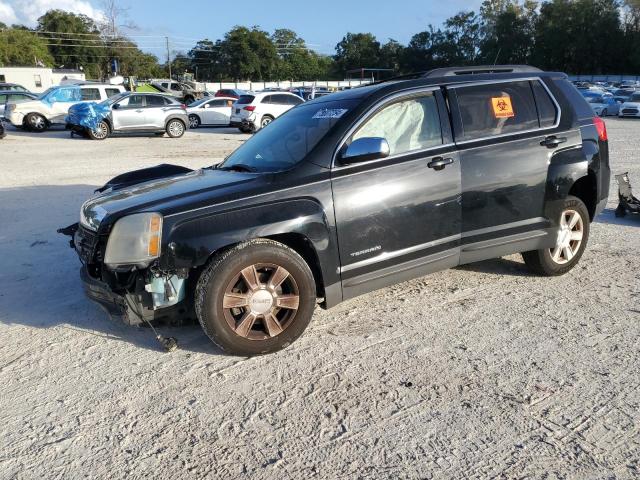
38, 79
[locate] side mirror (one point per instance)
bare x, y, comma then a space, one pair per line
116, 106
206, 106
364, 149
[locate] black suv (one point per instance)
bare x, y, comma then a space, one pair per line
347, 194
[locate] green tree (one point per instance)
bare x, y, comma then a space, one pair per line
357, 50
74, 41
391, 54
21, 47
247, 54
508, 31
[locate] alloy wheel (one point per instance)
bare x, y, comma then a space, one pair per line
261, 301
176, 129
569, 238
194, 122
37, 122
101, 131
265, 121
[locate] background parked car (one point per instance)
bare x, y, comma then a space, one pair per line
53, 105
210, 111
604, 105
13, 96
231, 92
14, 87
631, 108
256, 111
129, 112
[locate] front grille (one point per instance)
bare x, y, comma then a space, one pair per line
85, 242
633, 111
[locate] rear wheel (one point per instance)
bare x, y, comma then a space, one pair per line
101, 131
175, 128
194, 121
255, 298
35, 122
572, 237
604, 113
266, 120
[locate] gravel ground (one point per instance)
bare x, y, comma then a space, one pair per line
482, 371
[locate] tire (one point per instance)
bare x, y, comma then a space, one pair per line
557, 260
194, 121
266, 120
36, 122
245, 326
101, 131
604, 113
175, 128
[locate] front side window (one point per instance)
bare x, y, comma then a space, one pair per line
132, 101
407, 125
496, 109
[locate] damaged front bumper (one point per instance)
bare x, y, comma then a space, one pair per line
135, 297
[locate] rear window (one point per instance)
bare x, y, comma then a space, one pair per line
111, 92
496, 109
245, 99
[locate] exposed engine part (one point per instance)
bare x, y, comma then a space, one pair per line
166, 290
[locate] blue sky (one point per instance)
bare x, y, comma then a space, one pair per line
321, 23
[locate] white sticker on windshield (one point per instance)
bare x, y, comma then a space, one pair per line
330, 113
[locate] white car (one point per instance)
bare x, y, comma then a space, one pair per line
254, 111
51, 107
210, 111
630, 108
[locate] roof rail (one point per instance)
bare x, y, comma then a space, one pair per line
474, 70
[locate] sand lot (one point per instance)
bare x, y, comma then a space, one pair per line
483, 371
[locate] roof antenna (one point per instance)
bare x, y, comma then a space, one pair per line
497, 55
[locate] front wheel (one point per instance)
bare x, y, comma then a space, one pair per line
572, 237
194, 121
604, 113
101, 131
266, 120
255, 298
175, 128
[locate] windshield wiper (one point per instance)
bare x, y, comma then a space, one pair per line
239, 167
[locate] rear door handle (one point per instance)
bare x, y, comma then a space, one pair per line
552, 141
139, 111
438, 163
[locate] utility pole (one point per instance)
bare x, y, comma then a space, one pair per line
168, 57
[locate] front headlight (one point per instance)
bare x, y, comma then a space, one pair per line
91, 215
134, 240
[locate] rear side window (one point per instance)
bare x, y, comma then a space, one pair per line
546, 108
407, 125
90, 94
281, 100
268, 99
245, 99
294, 100
496, 109
111, 92
154, 101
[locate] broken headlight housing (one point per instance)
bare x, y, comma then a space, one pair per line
134, 240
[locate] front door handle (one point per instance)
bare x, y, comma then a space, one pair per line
139, 111
553, 141
438, 163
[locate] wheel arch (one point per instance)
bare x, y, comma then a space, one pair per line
586, 189
299, 224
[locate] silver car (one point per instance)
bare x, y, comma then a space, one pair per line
130, 112
13, 96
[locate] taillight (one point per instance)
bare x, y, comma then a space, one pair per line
249, 108
601, 127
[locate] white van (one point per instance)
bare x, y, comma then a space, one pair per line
51, 106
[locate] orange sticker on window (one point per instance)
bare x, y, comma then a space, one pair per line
502, 107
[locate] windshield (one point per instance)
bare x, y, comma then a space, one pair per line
197, 103
111, 100
289, 138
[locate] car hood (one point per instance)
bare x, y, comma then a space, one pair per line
630, 105
29, 104
170, 194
